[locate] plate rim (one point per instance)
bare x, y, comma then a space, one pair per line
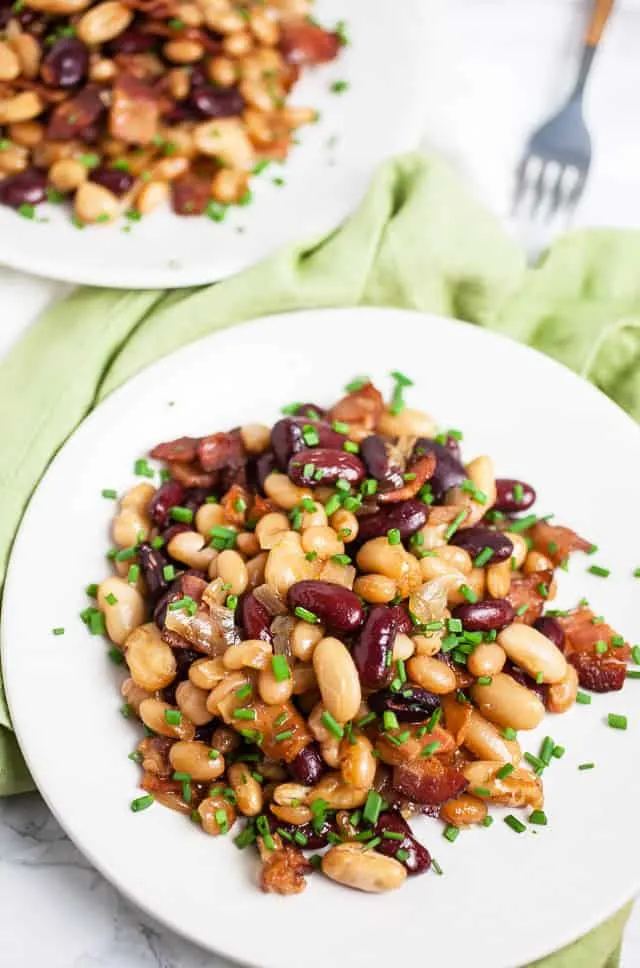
103, 865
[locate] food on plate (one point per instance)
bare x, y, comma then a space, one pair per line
336, 623
123, 105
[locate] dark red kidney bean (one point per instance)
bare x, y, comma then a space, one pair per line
152, 562
449, 471
66, 63
169, 495
215, 102
72, 115
492, 613
26, 188
373, 647
507, 502
550, 627
402, 619
308, 766
315, 837
195, 497
337, 607
133, 42
411, 705
407, 517
380, 462
541, 689
5, 12
310, 410
474, 540
418, 860
180, 113
172, 531
254, 618
323, 465
287, 438
265, 465
113, 179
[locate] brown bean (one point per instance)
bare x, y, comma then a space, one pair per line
432, 674
355, 866
192, 702
248, 791
217, 816
154, 712
195, 759
357, 762
463, 811
150, 660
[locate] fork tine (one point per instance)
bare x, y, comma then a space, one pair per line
520, 183
555, 194
539, 188
575, 193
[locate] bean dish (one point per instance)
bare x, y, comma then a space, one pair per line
334, 624
122, 105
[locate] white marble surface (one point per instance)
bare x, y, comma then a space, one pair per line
496, 68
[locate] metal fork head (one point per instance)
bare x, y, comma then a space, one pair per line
552, 174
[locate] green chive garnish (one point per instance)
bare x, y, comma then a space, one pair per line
280, 668
616, 721
372, 807
515, 824
599, 571
332, 725
142, 803
538, 817
306, 615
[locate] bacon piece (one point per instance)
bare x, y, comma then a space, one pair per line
155, 755
557, 542
600, 672
429, 780
265, 723
235, 504
302, 42
153, 783
362, 407
144, 66
525, 590
190, 194
411, 749
190, 475
260, 507
70, 117
218, 451
283, 869
423, 468
135, 111
182, 449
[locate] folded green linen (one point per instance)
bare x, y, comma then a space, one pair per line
418, 241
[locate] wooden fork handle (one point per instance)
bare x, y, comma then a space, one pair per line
599, 17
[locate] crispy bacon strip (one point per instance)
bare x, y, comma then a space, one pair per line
423, 469
221, 450
526, 590
283, 869
235, 504
557, 542
135, 111
302, 42
190, 475
600, 672
362, 407
430, 780
183, 449
411, 749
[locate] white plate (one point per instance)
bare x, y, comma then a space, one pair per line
504, 899
325, 176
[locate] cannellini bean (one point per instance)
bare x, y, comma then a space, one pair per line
134, 695
13, 159
520, 549
345, 525
217, 816
27, 133
380, 557
151, 196
183, 51
354, 866
165, 719
330, 751
427, 644
123, 607
314, 519
304, 639
499, 579
562, 695
29, 54
505, 702
338, 679
518, 789
322, 540
338, 794
59, 8
403, 647
291, 794
456, 557
248, 791
250, 654
463, 811
68, 174
151, 662
206, 673
533, 652
192, 701
284, 492
196, 759
190, 547
357, 762
103, 22
209, 516
475, 581
21, 107
535, 561
273, 691
287, 564
255, 437
432, 674
228, 185
233, 571
487, 659
95, 204
376, 589
294, 815
487, 743
9, 63
270, 529
407, 423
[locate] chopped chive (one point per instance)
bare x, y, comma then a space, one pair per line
584, 698
111, 599
306, 615
184, 515
451, 834
285, 734
599, 571
125, 554
142, 469
481, 792
357, 384
539, 678
168, 573
509, 733
91, 590
96, 623
536, 763
109, 493
397, 404
173, 717
434, 719
332, 505
369, 487
341, 559
280, 668
455, 524
505, 771
586, 766
157, 542
469, 594
515, 824
436, 867
521, 609
369, 718
133, 574
390, 720
393, 536
244, 714
601, 647
546, 750
142, 803
558, 752
616, 721
372, 807
115, 655
58, 631
538, 817
487, 822
214, 754
244, 691
332, 725
635, 654
483, 557
430, 748
308, 470
484, 680
282, 718
351, 447
523, 524
633, 674
636, 573
231, 602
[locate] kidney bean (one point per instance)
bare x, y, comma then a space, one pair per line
5, 12
373, 647
402, 619
474, 540
168, 495
160, 609
493, 613
152, 562
550, 627
254, 618
113, 179
265, 465
419, 859
337, 607
323, 465
412, 705
539, 688
506, 500
380, 462
454, 446
317, 836
308, 766
66, 63
172, 531
195, 497
70, 117
133, 42
26, 188
214, 102
287, 438
310, 410
407, 517
449, 471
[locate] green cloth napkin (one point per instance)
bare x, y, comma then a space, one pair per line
418, 241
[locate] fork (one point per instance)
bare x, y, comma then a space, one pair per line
557, 158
